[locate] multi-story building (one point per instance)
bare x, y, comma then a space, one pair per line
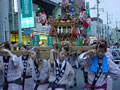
115, 35
96, 29
103, 32
9, 18
4, 20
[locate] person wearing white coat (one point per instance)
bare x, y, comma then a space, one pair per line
26, 69
39, 72
10, 66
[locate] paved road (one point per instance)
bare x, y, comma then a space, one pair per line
80, 80
1, 80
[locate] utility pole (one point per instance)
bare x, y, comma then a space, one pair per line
107, 28
98, 18
97, 26
116, 31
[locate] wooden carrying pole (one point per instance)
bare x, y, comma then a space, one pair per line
45, 51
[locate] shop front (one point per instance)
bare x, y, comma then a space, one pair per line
15, 38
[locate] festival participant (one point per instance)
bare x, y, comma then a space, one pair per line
26, 68
100, 66
11, 70
72, 59
61, 72
39, 71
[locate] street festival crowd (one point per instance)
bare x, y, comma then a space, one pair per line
29, 72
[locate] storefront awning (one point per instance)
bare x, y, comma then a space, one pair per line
49, 2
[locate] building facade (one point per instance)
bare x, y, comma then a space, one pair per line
4, 21
9, 18
97, 30
115, 36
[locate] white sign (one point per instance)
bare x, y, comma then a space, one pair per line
15, 5
45, 29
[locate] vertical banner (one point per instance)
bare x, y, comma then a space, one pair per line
88, 12
78, 41
27, 8
36, 40
50, 41
87, 8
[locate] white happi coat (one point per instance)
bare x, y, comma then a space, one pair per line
28, 84
109, 54
13, 73
67, 78
113, 71
43, 76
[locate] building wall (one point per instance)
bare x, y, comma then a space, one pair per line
94, 31
115, 35
4, 20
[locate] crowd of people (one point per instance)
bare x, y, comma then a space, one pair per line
30, 72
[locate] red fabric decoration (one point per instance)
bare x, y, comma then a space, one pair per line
86, 24
31, 35
51, 31
74, 31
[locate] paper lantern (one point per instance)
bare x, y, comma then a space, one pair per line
51, 31
74, 31
31, 35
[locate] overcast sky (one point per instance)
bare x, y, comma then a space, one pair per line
113, 8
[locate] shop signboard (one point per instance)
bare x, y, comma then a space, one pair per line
28, 31
27, 8
45, 29
27, 22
